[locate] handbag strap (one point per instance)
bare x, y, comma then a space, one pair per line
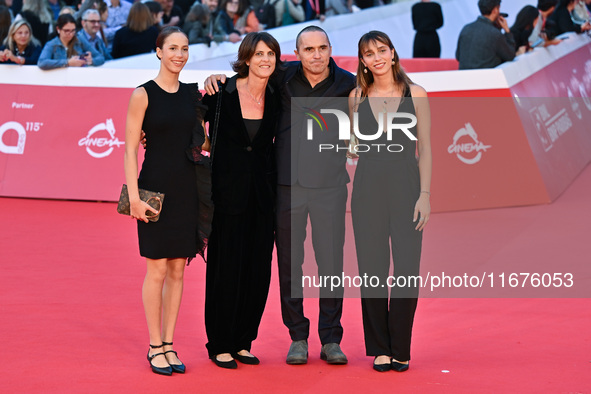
216, 121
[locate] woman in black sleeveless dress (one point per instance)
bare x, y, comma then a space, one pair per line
390, 201
426, 19
165, 110
240, 248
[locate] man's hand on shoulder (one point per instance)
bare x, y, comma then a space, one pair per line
211, 86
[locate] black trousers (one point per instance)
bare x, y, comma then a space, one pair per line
237, 279
326, 209
382, 207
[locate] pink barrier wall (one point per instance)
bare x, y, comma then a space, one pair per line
493, 145
62, 142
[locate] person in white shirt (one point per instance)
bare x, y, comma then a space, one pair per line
118, 13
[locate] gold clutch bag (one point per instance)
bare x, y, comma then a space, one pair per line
153, 199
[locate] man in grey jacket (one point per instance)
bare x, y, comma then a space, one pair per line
481, 44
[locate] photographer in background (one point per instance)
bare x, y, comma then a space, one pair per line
481, 44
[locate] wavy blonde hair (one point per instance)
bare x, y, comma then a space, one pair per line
9, 40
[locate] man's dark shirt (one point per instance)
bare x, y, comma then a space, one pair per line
308, 167
176, 11
482, 45
300, 87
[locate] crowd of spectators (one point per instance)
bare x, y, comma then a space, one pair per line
113, 29
489, 42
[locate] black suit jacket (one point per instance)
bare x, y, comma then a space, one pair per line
241, 166
298, 160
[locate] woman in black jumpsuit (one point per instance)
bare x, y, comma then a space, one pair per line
390, 201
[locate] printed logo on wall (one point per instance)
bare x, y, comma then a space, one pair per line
551, 127
21, 131
19, 148
99, 147
467, 152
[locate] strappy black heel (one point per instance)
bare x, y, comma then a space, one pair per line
178, 368
162, 371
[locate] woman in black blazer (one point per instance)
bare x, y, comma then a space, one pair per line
241, 243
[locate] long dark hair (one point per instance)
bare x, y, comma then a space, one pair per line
63, 20
525, 19
365, 80
4, 22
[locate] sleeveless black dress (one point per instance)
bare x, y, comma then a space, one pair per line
168, 123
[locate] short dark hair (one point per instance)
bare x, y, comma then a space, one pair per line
545, 5
309, 29
564, 3
247, 50
167, 32
153, 6
487, 6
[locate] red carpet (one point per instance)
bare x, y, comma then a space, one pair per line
72, 318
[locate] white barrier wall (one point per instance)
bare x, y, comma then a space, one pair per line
344, 32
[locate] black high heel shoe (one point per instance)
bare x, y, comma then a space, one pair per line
399, 367
381, 367
178, 368
159, 370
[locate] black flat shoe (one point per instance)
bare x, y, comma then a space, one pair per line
381, 367
177, 368
224, 364
399, 367
246, 359
161, 371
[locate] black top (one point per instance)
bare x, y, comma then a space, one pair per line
300, 86
521, 37
426, 17
40, 29
129, 43
252, 127
298, 160
241, 165
175, 11
184, 6
31, 54
168, 123
369, 126
563, 22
